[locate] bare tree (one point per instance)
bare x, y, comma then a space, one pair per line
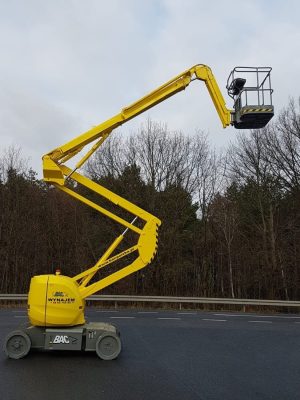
251, 163
282, 146
224, 215
110, 160
164, 158
11, 159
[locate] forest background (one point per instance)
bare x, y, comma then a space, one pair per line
230, 219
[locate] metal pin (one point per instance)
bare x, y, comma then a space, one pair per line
131, 223
71, 173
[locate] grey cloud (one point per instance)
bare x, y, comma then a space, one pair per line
66, 66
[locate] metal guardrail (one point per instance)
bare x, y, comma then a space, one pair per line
180, 300
13, 297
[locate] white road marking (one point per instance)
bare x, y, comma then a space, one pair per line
107, 311
262, 322
122, 317
233, 315
20, 311
274, 316
167, 318
20, 316
147, 312
187, 313
257, 316
214, 320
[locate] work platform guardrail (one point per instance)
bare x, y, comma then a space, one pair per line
165, 299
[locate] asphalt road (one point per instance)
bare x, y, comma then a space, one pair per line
166, 355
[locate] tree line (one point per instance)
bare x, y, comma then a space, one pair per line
230, 219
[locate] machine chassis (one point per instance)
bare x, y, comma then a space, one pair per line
101, 337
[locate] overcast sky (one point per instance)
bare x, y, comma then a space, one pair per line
68, 65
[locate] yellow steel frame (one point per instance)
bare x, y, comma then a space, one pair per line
56, 173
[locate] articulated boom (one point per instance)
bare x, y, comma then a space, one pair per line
56, 302
56, 173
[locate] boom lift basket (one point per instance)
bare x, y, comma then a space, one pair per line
250, 88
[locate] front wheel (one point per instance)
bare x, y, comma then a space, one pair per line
108, 346
17, 345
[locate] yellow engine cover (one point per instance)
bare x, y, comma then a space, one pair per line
54, 300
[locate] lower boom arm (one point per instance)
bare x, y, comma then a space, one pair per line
145, 247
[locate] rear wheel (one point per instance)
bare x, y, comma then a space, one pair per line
108, 346
17, 344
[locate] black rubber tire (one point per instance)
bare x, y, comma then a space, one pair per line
17, 344
108, 346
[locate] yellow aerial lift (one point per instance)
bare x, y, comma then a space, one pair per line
56, 302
